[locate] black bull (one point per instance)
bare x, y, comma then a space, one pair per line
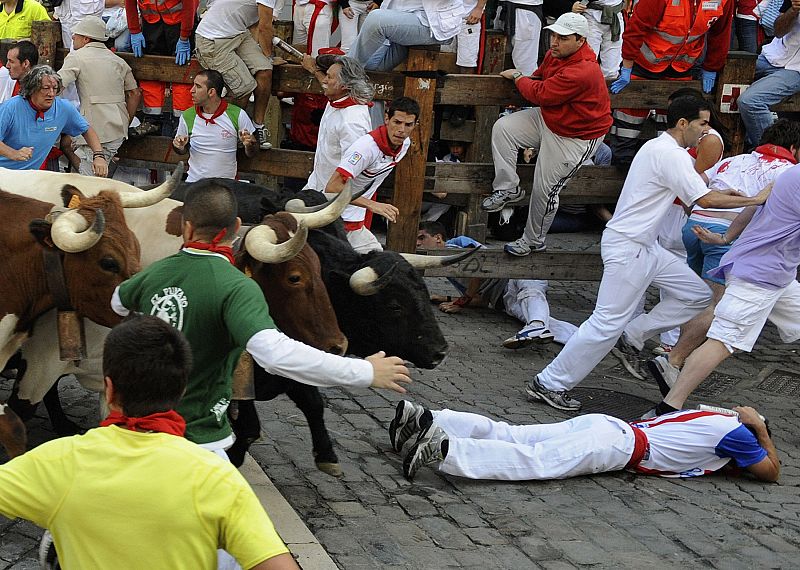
397, 319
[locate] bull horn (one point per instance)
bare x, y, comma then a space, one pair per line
261, 243
330, 212
297, 206
366, 280
155, 195
71, 233
430, 261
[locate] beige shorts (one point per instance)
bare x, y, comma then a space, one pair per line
237, 59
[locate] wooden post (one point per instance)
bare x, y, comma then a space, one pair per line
420, 84
737, 73
46, 35
481, 148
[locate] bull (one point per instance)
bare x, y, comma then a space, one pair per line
75, 256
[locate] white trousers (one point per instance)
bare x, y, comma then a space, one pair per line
525, 51
350, 26
320, 34
363, 241
525, 300
628, 269
599, 40
481, 448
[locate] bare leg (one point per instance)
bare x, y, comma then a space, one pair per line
693, 333
261, 95
699, 365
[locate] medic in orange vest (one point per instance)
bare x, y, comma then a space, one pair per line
166, 29
662, 40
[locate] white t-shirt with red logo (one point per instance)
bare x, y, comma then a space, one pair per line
368, 166
212, 146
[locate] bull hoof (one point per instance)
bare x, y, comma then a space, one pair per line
332, 469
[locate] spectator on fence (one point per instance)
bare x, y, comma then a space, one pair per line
224, 43
665, 40
117, 24
106, 86
351, 17
778, 151
569, 121
21, 57
746, 34
467, 44
70, 12
522, 22
32, 122
523, 299
632, 258
366, 164
313, 21
346, 116
777, 74
17, 17
165, 29
384, 38
213, 128
605, 32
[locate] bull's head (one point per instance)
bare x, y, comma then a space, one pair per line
288, 272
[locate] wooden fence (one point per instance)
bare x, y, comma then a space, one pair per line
414, 177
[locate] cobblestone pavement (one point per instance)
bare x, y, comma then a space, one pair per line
374, 518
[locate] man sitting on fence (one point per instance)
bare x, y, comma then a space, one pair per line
570, 119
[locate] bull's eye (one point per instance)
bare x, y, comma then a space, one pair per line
294, 279
110, 264
395, 308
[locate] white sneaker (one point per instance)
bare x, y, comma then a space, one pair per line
499, 199
530, 334
665, 374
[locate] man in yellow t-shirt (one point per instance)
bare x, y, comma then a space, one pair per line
134, 493
17, 16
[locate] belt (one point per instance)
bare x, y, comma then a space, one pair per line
641, 447
353, 226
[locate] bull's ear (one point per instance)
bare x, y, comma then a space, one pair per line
72, 196
174, 225
41, 231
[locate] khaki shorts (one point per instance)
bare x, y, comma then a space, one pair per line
237, 59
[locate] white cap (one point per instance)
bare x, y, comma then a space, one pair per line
570, 23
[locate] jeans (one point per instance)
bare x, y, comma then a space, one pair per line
400, 29
773, 84
744, 33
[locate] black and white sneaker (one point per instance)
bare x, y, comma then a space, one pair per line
664, 373
558, 399
262, 136
430, 447
628, 355
405, 423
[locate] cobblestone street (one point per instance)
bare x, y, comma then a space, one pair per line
374, 518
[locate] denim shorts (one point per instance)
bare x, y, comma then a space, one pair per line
701, 256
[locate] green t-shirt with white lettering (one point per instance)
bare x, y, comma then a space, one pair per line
219, 309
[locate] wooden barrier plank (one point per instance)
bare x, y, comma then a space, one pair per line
561, 265
410, 172
46, 35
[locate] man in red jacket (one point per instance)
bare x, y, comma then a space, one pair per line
663, 40
571, 117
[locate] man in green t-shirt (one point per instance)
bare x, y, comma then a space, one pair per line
222, 312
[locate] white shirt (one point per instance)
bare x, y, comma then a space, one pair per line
229, 18
366, 164
6, 84
785, 51
338, 129
661, 170
212, 147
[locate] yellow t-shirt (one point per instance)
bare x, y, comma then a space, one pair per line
115, 498
17, 25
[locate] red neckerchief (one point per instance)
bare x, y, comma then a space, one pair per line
347, 102
39, 112
774, 152
225, 250
15, 91
381, 138
169, 422
210, 120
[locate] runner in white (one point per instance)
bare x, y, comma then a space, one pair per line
633, 259
367, 163
689, 443
213, 129
467, 44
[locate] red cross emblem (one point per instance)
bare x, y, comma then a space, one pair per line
730, 96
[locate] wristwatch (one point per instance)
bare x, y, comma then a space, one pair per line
516, 75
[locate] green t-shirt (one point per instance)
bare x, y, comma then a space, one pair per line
219, 309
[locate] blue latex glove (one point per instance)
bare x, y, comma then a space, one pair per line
137, 44
622, 81
709, 77
183, 52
